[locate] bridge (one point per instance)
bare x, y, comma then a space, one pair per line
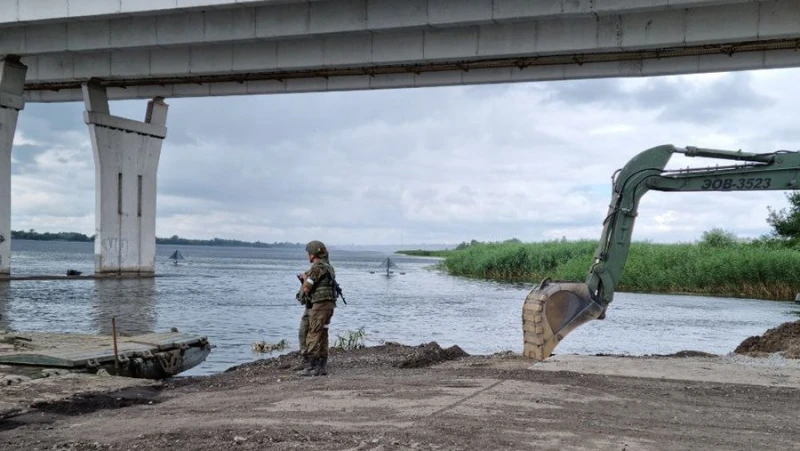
99, 51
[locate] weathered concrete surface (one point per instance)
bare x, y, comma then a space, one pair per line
368, 403
126, 154
12, 80
210, 48
13, 11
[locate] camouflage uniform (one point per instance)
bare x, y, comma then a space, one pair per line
303, 332
323, 301
321, 277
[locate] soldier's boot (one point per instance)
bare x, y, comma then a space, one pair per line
322, 367
312, 368
304, 364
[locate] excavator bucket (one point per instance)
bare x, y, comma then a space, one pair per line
551, 311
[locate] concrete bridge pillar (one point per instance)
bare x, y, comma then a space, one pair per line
12, 84
126, 154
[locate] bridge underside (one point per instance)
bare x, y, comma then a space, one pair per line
778, 54
72, 50
380, 44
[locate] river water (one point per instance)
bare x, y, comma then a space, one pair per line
237, 296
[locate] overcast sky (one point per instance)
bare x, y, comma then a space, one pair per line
433, 165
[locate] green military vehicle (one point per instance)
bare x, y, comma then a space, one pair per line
555, 308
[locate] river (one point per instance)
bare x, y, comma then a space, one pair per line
237, 296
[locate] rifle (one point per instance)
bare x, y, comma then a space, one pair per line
338, 290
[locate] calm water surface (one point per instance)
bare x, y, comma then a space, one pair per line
236, 296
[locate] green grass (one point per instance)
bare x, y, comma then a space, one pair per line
741, 270
352, 339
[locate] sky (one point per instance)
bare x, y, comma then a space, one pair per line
531, 161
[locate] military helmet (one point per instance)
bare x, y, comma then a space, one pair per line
317, 248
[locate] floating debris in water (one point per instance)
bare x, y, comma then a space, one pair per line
175, 257
263, 346
386, 267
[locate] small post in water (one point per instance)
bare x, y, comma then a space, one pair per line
114, 336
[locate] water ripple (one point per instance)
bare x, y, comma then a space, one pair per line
236, 296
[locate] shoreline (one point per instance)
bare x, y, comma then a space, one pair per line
10, 278
397, 397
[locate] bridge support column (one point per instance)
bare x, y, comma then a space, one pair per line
12, 84
126, 154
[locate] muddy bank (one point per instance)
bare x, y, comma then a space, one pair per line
388, 358
784, 339
396, 397
65, 391
388, 354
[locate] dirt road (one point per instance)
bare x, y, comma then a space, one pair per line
413, 398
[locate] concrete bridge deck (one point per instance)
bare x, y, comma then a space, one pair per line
183, 48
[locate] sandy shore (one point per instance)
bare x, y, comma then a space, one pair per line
397, 397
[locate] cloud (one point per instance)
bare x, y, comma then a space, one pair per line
433, 165
697, 99
715, 101
23, 159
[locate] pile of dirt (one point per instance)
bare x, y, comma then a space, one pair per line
389, 354
396, 355
784, 338
430, 354
688, 353
351, 362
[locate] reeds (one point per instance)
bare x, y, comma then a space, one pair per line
751, 270
352, 339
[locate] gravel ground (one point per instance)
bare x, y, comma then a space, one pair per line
396, 397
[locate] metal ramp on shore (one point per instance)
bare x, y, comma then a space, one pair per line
149, 356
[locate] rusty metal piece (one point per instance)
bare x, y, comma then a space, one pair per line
116, 353
170, 362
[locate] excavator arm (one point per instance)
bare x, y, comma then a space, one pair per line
553, 309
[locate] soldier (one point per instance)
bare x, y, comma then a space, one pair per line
318, 283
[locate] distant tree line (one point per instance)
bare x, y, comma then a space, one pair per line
50, 236
466, 245
174, 239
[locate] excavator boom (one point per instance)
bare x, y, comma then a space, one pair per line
553, 309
